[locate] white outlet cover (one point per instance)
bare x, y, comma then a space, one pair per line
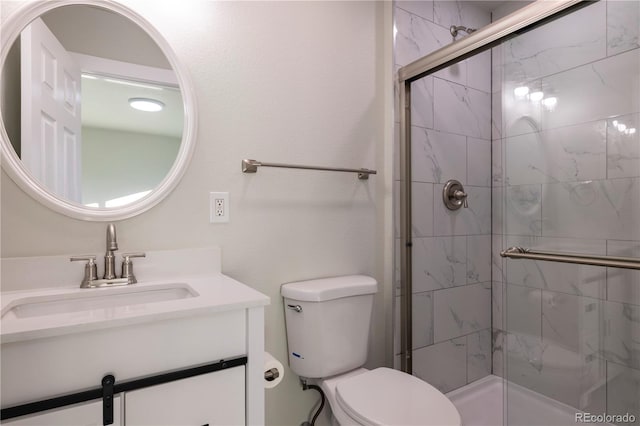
218, 207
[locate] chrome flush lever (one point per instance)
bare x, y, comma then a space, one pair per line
296, 308
454, 196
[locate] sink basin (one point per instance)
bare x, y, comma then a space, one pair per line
96, 299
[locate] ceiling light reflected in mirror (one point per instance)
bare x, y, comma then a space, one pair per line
146, 104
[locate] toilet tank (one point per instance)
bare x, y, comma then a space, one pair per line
328, 323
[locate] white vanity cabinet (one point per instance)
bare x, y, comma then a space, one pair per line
84, 414
214, 399
192, 360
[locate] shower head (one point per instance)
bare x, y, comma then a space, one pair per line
454, 30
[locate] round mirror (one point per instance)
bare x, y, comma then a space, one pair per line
98, 117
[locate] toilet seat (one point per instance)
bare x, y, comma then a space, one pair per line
389, 397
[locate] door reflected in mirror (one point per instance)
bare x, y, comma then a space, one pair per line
72, 86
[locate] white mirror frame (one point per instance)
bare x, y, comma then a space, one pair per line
12, 164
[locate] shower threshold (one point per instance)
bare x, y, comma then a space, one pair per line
481, 403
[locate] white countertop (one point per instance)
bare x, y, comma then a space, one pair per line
216, 292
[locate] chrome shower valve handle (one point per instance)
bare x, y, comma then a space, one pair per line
454, 196
461, 196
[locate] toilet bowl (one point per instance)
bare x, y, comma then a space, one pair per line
328, 324
386, 397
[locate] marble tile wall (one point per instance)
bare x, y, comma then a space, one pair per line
566, 177
558, 175
451, 139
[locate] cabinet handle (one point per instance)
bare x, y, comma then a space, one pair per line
107, 399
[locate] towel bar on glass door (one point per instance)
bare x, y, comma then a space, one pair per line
251, 166
608, 261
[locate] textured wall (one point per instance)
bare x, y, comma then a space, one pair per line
298, 82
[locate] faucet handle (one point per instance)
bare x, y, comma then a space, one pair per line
90, 269
127, 266
87, 257
127, 256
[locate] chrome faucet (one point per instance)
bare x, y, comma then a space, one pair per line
109, 257
91, 280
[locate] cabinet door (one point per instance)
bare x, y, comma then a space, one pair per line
85, 414
210, 399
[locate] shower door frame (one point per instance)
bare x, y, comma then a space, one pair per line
521, 21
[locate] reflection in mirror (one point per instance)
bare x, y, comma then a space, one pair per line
68, 86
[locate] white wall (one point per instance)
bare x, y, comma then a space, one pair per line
299, 82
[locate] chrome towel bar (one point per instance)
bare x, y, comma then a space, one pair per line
251, 166
608, 261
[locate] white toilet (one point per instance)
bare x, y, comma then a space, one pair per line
328, 333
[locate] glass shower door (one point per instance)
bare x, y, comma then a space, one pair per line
566, 156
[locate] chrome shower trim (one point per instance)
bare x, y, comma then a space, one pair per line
454, 30
485, 37
453, 195
406, 329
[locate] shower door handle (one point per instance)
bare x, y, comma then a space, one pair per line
580, 259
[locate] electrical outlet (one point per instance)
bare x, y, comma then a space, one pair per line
219, 207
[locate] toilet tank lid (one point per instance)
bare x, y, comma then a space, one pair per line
322, 289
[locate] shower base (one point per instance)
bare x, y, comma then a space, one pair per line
481, 403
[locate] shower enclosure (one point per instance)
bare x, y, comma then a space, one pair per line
536, 115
